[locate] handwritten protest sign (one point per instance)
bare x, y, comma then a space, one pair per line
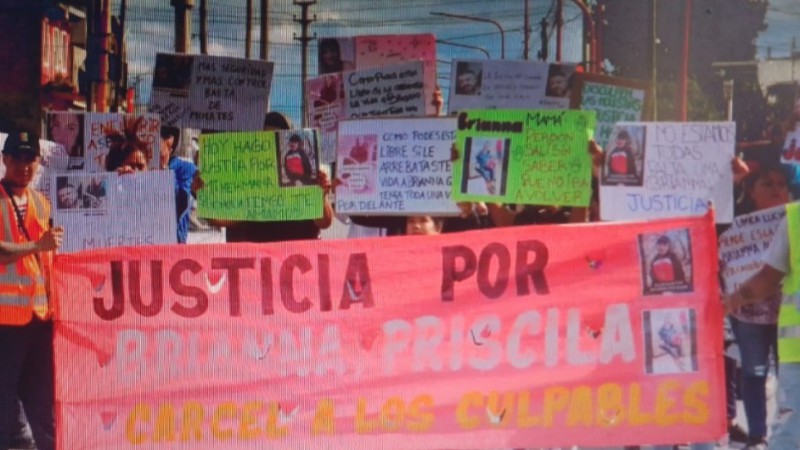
112, 210
506, 84
742, 246
612, 99
87, 138
664, 169
470, 340
325, 100
269, 176
395, 166
211, 92
526, 157
388, 91
371, 52
386, 50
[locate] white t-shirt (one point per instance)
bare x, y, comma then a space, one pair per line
778, 252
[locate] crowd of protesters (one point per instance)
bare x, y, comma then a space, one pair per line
28, 242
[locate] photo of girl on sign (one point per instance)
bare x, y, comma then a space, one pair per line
357, 160
297, 159
624, 162
666, 262
670, 341
486, 161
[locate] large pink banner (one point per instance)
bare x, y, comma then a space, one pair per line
518, 337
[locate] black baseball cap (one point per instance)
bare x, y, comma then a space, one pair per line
22, 144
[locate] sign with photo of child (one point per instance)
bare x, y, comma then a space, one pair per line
266, 176
507, 84
668, 169
536, 157
106, 209
395, 166
211, 92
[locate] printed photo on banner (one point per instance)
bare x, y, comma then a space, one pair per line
624, 155
80, 192
559, 80
298, 158
670, 341
358, 155
335, 55
66, 129
486, 166
666, 262
791, 148
468, 78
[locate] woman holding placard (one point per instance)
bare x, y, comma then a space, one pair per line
755, 326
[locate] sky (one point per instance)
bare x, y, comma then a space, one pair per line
150, 30
783, 17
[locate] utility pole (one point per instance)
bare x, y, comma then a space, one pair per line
101, 88
526, 33
543, 51
248, 29
121, 83
794, 52
203, 27
264, 29
304, 39
481, 19
654, 58
183, 24
683, 76
559, 28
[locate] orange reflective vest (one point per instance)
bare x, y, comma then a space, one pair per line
23, 283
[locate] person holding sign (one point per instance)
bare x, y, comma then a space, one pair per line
781, 267
755, 327
184, 175
424, 225
126, 152
26, 328
277, 231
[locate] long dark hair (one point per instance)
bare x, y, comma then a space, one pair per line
77, 146
745, 203
123, 144
329, 45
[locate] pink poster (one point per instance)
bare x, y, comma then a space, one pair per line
377, 51
533, 337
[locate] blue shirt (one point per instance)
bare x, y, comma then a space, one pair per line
184, 173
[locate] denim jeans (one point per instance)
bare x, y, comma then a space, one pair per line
26, 373
731, 386
756, 344
786, 430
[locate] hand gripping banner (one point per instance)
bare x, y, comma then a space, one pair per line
521, 337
